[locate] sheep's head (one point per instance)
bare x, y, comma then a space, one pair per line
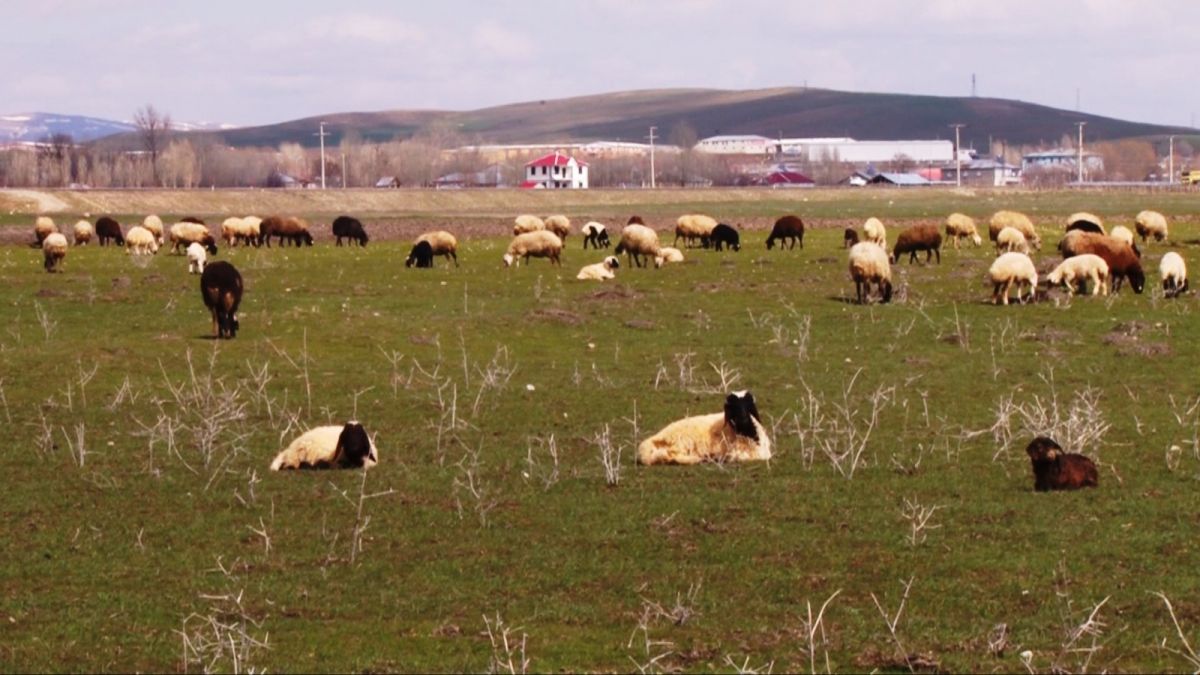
740, 413
1043, 449
508, 259
977, 239
611, 262
354, 447
1137, 279
886, 290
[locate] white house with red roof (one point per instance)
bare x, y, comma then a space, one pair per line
556, 171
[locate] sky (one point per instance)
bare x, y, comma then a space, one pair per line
262, 61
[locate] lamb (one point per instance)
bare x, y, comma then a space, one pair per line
1014, 219
668, 254
537, 244
600, 271
1173, 270
735, 435
1012, 268
692, 227
960, 226
527, 223
441, 243
924, 237
108, 228
1151, 224
329, 447
1077, 270
43, 227
1054, 469
155, 225
196, 258
869, 264
54, 249
596, 234
221, 287
789, 228
1085, 222
291, 228
183, 234
83, 232
724, 234
1121, 259
637, 241
558, 224
1009, 240
874, 232
849, 237
350, 228
140, 241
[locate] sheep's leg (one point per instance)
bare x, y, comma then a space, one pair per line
938, 251
454, 255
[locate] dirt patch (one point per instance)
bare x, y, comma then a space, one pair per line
1048, 335
1129, 337
557, 316
48, 293
615, 292
121, 283
641, 324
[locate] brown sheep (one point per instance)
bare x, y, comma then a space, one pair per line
291, 228
1122, 260
787, 228
923, 237
1054, 469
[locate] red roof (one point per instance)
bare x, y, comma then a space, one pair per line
531, 184
554, 159
788, 178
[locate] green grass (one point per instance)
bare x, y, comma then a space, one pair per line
103, 562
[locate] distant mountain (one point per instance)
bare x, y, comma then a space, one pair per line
33, 127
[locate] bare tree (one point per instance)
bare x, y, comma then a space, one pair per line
154, 127
684, 136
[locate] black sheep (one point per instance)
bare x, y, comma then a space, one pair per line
108, 228
421, 255
1054, 469
849, 237
723, 234
221, 287
351, 229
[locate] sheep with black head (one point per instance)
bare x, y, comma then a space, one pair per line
725, 235
420, 256
221, 287
108, 228
1054, 469
329, 447
735, 435
349, 228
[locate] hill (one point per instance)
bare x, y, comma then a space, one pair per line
36, 126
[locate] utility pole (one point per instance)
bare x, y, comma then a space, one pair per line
957, 157
343, 171
651, 137
322, 134
1171, 160
1079, 162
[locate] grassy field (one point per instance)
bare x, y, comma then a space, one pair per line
143, 531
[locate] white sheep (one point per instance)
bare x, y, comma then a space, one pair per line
961, 226
595, 234
54, 249
185, 233
196, 258
637, 241
1151, 224
527, 223
869, 264
83, 232
140, 241
1122, 234
1012, 268
441, 243
1173, 270
600, 271
231, 229
252, 229
1010, 239
668, 254
329, 447
1014, 219
537, 244
1077, 270
693, 226
155, 225
558, 224
735, 435
875, 233
43, 227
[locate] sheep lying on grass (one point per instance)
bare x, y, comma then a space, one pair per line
1054, 469
924, 237
961, 226
54, 249
735, 435
83, 232
1151, 224
1173, 270
1009, 269
638, 241
537, 244
668, 254
601, 270
1078, 270
329, 447
1016, 220
221, 288
869, 265
787, 229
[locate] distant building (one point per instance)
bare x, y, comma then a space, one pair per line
864, 152
1063, 159
388, 182
556, 171
590, 149
985, 172
493, 176
899, 179
748, 144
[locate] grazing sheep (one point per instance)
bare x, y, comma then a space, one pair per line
596, 234
1077, 270
961, 226
558, 224
230, 228
527, 223
1085, 222
1017, 220
601, 270
724, 234
43, 227
692, 227
875, 232
196, 258
140, 241
83, 232
252, 230
350, 228
537, 244
1173, 270
924, 237
184, 233
221, 287
1122, 261
1011, 240
735, 435
155, 225
869, 264
54, 249
441, 243
1151, 224
637, 241
421, 255
668, 254
635, 220
1054, 469
108, 228
193, 219
1122, 233
849, 237
789, 228
290, 229
1012, 268
329, 447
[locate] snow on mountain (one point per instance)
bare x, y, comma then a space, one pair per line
35, 127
